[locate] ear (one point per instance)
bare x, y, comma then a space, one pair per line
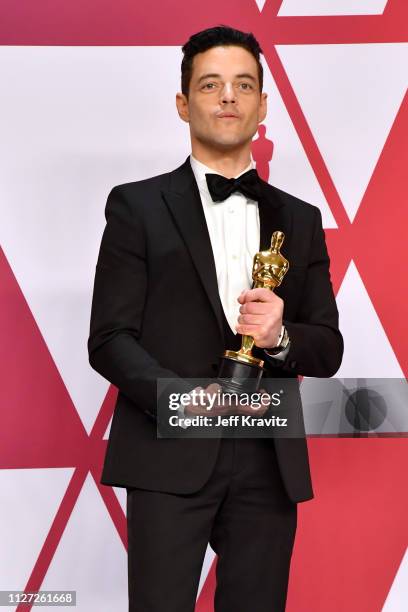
182, 107
263, 107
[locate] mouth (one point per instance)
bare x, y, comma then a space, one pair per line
227, 116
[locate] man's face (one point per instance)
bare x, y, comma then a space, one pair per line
225, 105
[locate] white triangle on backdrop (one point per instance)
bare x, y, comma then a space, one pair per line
290, 169
367, 351
397, 599
91, 558
121, 494
29, 501
207, 563
332, 7
350, 95
261, 4
67, 138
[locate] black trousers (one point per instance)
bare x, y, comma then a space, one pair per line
244, 513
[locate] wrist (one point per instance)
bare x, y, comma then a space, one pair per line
281, 345
279, 338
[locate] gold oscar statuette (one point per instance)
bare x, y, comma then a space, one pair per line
239, 370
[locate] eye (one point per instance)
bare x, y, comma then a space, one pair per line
208, 86
246, 86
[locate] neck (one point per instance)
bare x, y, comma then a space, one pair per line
229, 164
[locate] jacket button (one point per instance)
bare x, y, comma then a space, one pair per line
293, 364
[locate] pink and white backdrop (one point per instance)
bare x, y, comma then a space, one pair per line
87, 102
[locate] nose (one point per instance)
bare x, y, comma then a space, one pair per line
227, 93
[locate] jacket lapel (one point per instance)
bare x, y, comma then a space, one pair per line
183, 200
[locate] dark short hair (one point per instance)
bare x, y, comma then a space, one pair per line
218, 36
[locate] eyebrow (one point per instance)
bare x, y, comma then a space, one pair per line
243, 75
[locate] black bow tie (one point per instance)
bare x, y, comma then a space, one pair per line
221, 188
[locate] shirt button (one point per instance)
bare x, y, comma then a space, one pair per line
230, 210
235, 257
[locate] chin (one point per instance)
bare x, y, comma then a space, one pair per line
228, 142
222, 142
231, 144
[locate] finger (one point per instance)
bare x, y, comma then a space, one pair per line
266, 398
249, 319
241, 297
213, 388
222, 410
256, 331
258, 308
261, 294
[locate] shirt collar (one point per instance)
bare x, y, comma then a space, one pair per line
200, 170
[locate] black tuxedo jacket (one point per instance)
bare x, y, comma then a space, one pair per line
156, 313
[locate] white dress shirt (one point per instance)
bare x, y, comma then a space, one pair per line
233, 226
234, 229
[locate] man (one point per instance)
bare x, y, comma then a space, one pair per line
172, 286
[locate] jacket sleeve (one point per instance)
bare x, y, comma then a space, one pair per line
118, 301
316, 344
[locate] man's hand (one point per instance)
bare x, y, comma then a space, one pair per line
261, 316
208, 407
203, 405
